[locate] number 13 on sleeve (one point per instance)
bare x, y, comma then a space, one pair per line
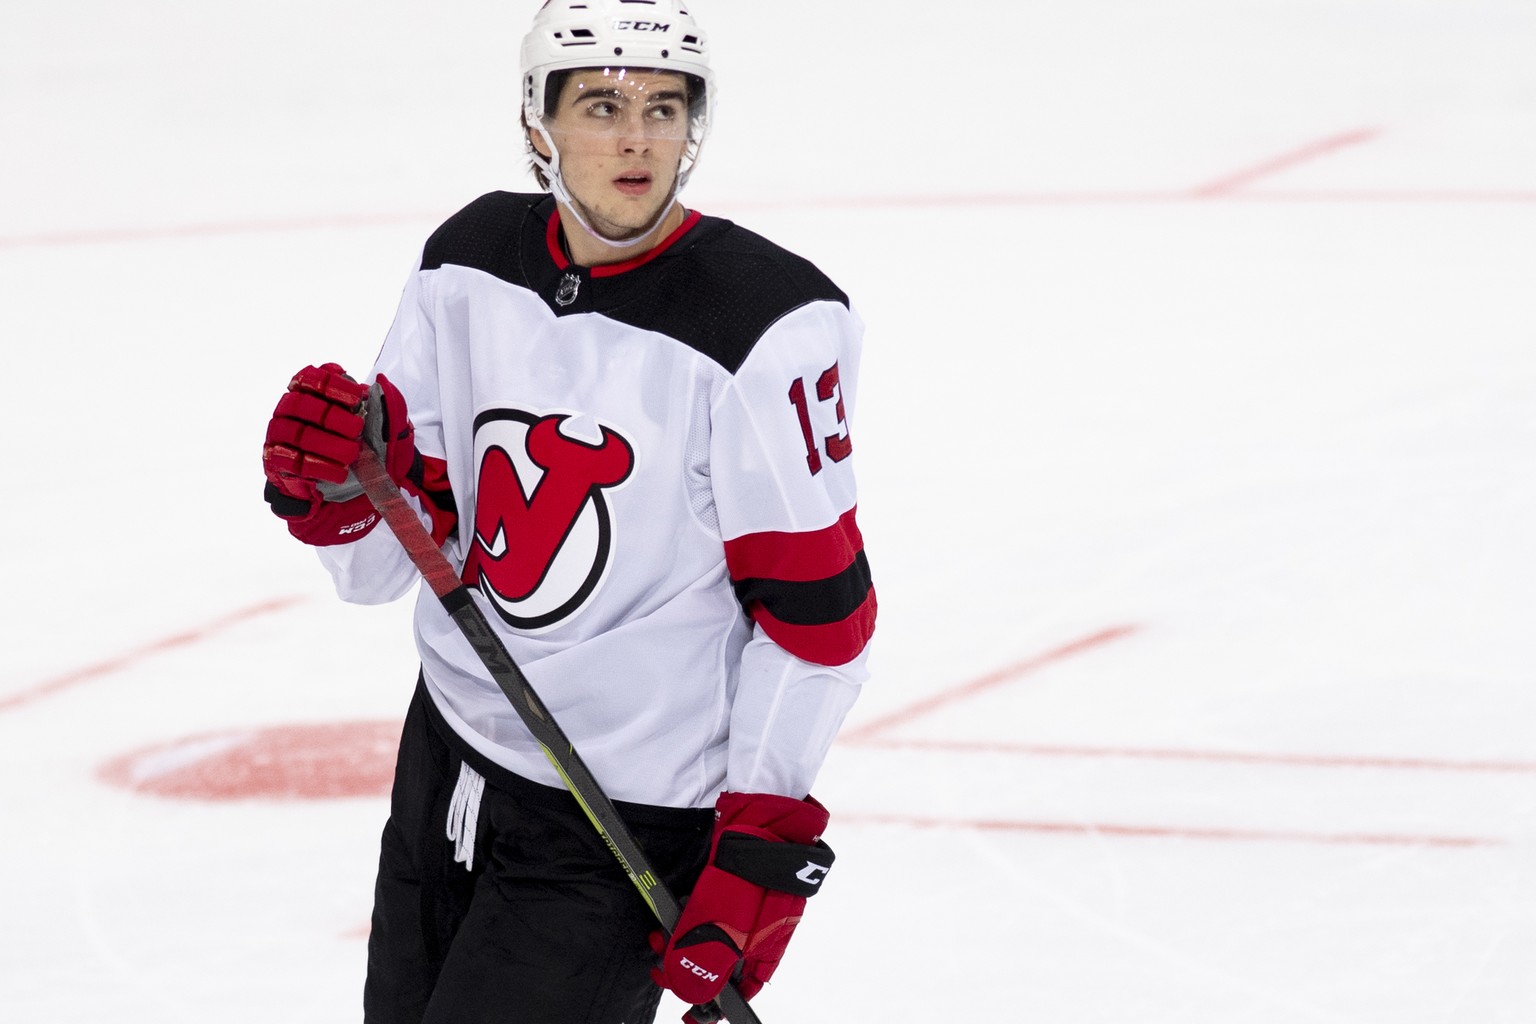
837, 446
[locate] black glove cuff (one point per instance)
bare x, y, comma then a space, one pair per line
794, 868
285, 505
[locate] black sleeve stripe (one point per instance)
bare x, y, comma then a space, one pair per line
816, 603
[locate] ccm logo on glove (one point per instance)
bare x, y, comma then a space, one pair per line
314, 436
766, 859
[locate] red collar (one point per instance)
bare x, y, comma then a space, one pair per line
552, 238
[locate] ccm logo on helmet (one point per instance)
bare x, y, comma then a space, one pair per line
641, 26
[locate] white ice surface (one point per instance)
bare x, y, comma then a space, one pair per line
1211, 318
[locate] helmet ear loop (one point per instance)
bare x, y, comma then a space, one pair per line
551, 167
689, 162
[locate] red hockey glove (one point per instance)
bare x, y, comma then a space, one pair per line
312, 440
767, 857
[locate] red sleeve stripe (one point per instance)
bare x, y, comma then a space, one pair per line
832, 643
812, 593
796, 557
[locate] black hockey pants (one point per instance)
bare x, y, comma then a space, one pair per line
546, 929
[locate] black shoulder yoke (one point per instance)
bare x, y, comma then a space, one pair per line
717, 289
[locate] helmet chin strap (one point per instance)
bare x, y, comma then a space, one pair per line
551, 168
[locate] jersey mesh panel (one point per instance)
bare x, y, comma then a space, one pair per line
696, 460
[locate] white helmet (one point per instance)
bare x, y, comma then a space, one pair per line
651, 34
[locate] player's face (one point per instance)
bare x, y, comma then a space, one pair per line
621, 135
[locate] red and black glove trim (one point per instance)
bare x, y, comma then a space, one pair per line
312, 441
286, 506
767, 857
795, 868
428, 480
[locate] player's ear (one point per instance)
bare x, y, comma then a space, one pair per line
535, 139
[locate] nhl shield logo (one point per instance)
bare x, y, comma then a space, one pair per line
543, 535
570, 285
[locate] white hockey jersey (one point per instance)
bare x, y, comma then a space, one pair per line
650, 464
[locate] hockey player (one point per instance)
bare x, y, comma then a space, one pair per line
629, 424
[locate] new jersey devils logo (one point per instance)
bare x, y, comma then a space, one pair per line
543, 536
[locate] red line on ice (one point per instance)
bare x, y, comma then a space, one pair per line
1285, 161
122, 661
305, 761
1170, 832
1404, 196
1218, 756
987, 682
1427, 196
217, 229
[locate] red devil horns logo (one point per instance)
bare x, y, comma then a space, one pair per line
543, 534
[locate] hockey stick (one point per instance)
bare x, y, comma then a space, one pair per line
599, 809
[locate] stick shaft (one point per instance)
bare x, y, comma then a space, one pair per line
456, 599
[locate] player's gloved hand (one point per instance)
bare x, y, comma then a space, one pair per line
313, 438
765, 859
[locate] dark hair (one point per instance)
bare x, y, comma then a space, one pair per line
554, 85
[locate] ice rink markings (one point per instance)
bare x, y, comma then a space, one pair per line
990, 681
1230, 187
1226, 186
871, 736
122, 661
1181, 832
1428, 764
